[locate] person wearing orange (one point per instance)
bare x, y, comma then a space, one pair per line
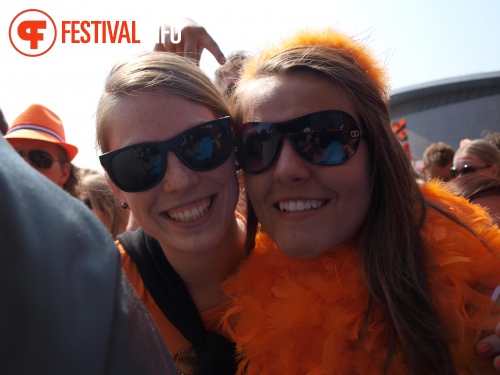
165, 133
38, 136
356, 269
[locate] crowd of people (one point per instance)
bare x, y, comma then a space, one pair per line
272, 258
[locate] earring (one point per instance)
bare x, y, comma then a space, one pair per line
124, 205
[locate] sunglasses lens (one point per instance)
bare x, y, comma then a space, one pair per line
137, 168
327, 138
257, 149
140, 167
329, 147
205, 147
467, 170
40, 159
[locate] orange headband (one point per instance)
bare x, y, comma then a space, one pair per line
325, 38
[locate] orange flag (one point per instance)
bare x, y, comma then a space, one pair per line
399, 128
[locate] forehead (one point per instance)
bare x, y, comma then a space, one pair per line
152, 118
34, 144
286, 96
465, 158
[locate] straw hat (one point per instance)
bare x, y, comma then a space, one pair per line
38, 122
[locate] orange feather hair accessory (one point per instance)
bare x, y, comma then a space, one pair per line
327, 38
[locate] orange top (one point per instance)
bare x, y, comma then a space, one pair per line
180, 348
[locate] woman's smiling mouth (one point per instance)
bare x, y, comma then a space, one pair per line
191, 212
300, 205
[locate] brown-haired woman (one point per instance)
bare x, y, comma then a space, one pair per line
357, 269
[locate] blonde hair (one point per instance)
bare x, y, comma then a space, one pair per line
102, 198
483, 149
156, 72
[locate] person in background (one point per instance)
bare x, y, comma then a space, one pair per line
38, 136
3, 123
189, 239
97, 196
493, 138
65, 305
193, 41
356, 269
478, 157
481, 190
228, 74
438, 159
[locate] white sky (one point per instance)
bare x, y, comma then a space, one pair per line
419, 41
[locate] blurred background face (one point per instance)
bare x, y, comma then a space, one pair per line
58, 172
435, 171
469, 160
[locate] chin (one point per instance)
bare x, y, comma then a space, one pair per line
299, 250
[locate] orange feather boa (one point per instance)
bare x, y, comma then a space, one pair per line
303, 316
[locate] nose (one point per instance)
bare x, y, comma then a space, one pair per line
178, 178
289, 166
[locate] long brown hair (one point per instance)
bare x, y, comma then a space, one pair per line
156, 72
391, 249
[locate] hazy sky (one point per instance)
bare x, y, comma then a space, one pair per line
419, 41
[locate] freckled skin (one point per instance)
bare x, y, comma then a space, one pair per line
157, 117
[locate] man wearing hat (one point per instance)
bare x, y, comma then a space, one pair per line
38, 136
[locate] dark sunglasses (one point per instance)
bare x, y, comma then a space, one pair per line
325, 138
38, 158
466, 170
140, 167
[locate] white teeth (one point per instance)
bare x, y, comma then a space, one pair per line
298, 206
192, 213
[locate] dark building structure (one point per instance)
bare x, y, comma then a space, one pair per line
448, 110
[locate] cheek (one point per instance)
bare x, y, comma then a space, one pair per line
141, 203
226, 175
355, 184
255, 186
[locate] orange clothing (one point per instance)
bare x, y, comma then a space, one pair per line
179, 347
303, 316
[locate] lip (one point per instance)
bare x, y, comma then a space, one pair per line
191, 212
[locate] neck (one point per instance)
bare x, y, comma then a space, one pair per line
203, 273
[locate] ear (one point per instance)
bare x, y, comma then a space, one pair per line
495, 170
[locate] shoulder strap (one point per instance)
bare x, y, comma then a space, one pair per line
215, 353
